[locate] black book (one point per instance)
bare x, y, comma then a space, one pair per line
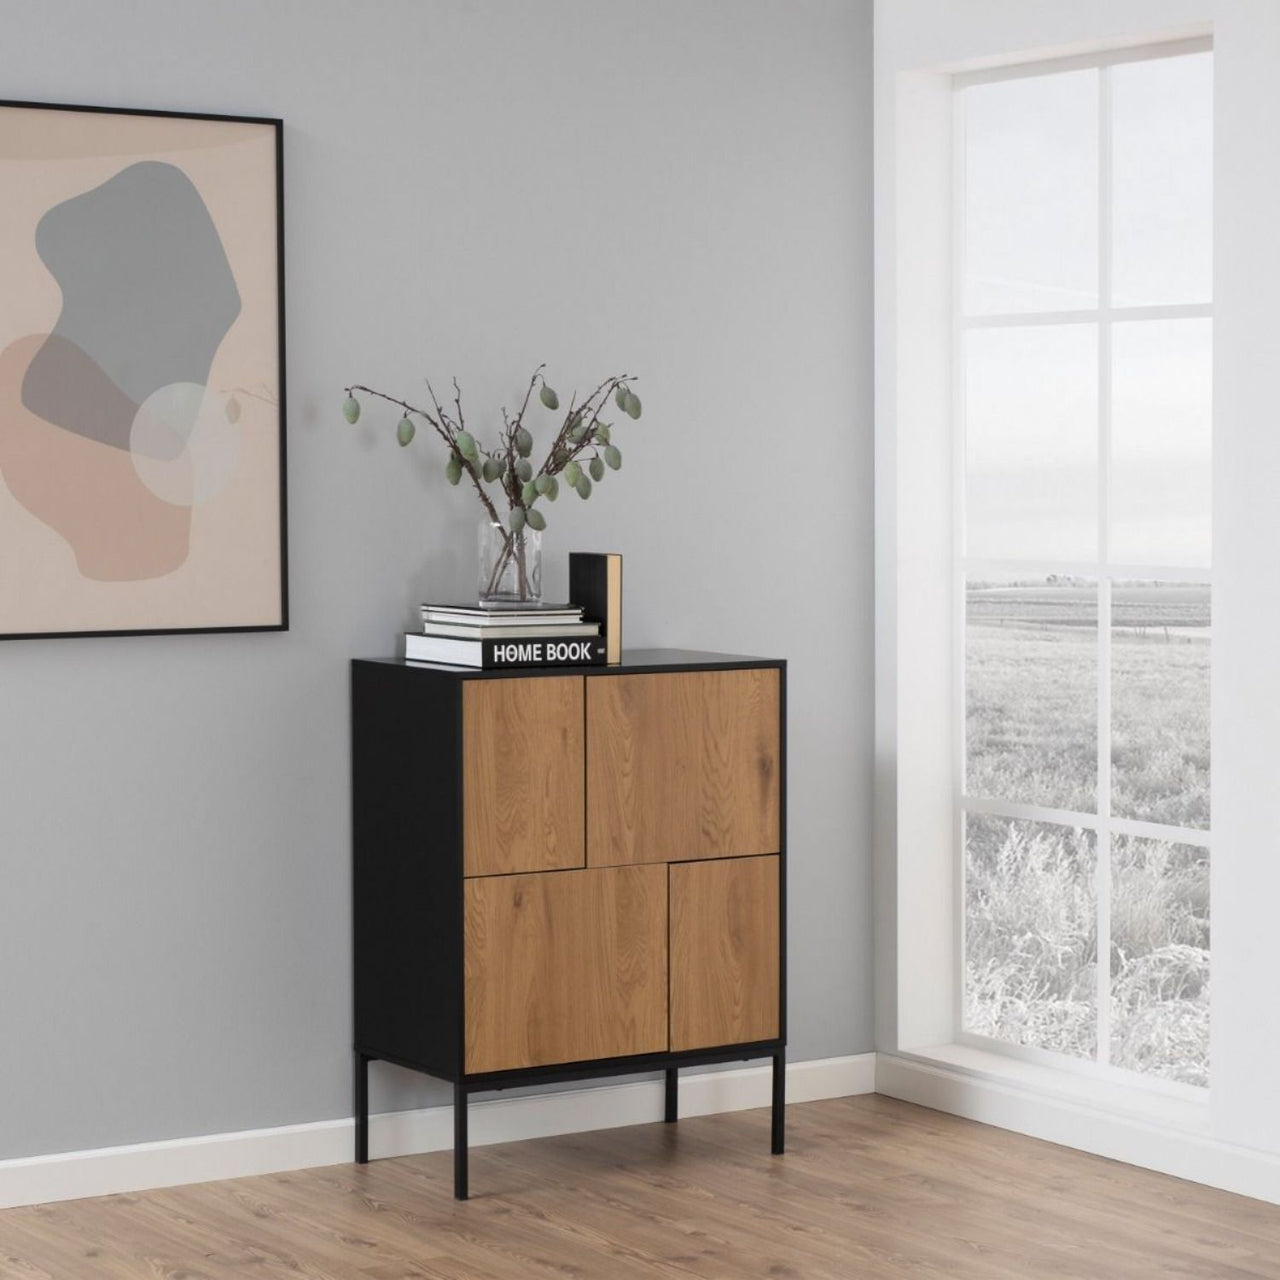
595, 583
491, 654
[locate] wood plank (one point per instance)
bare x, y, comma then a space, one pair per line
682, 766
523, 781
869, 1187
563, 966
725, 956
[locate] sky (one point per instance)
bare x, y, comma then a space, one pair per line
1031, 244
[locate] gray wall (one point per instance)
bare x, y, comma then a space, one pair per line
678, 189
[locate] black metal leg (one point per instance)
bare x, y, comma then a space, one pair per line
779, 1103
362, 1109
459, 1142
672, 1112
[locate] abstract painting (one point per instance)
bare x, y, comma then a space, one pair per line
141, 373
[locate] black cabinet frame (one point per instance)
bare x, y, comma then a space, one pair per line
408, 889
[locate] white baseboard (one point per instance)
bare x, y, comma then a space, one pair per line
73, 1175
1079, 1124
944, 1087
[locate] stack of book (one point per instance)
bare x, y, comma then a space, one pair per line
504, 634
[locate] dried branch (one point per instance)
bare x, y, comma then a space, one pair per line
563, 449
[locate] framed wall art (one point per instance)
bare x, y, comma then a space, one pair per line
142, 389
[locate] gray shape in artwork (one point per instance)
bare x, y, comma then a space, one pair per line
147, 293
73, 392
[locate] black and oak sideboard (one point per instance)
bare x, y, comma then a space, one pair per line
568, 873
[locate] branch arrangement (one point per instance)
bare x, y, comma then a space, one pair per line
580, 453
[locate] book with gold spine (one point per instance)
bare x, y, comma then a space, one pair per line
595, 583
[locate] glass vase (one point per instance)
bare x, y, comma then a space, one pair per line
510, 564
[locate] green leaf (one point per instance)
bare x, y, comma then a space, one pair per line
492, 469
620, 398
553, 492
528, 494
351, 410
405, 431
543, 484
572, 473
632, 407
549, 397
559, 458
596, 467
453, 469
583, 487
613, 456
537, 521
577, 429
524, 469
602, 432
467, 446
517, 519
524, 442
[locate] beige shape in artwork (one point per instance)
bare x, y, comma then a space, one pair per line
88, 492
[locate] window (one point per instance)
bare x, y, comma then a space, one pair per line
1083, 351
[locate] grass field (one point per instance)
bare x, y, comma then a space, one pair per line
1160, 958
1031, 684
1031, 934
1031, 736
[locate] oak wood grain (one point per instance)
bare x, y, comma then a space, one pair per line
563, 966
869, 1187
724, 952
682, 766
523, 775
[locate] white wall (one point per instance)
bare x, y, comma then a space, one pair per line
916, 41
678, 189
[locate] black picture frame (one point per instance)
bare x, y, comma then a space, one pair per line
276, 124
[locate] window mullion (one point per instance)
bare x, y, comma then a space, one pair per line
959, 609
1102, 870
1089, 315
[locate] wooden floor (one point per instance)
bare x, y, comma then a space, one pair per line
869, 1188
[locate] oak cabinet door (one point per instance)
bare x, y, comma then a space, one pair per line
522, 778
725, 957
565, 966
682, 766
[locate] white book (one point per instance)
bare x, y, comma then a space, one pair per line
513, 631
528, 612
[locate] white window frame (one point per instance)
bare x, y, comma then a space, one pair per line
1104, 316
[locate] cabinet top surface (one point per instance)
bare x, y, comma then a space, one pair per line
633, 661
